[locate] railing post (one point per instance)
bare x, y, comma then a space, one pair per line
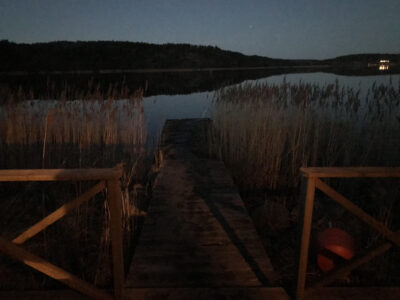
115, 204
305, 238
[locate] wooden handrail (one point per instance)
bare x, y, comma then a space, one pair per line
351, 172
61, 174
43, 266
313, 176
110, 180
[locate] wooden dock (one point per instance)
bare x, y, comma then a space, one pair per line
198, 240
198, 233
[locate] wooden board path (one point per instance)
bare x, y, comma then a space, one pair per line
266, 293
198, 233
198, 241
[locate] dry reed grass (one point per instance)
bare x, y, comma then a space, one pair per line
265, 133
66, 132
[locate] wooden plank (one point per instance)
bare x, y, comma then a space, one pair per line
351, 293
60, 174
256, 293
305, 238
351, 172
114, 198
198, 232
342, 271
320, 294
183, 243
43, 266
362, 215
58, 214
61, 294
252, 293
275, 293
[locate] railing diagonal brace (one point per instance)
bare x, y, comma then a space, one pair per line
343, 201
355, 263
43, 266
59, 213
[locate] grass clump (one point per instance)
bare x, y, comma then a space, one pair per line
100, 131
265, 133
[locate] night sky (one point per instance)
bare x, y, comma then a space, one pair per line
274, 28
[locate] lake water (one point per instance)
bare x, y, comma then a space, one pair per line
200, 104
188, 94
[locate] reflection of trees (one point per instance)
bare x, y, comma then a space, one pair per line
72, 86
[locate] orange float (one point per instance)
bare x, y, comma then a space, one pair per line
334, 244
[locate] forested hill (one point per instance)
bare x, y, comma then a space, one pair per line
102, 55
363, 59
110, 55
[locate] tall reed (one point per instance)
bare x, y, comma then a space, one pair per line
65, 132
265, 133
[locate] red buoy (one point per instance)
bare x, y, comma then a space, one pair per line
334, 242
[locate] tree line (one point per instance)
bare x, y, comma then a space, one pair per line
115, 55
109, 55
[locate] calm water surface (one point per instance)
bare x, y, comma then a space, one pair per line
196, 105
161, 107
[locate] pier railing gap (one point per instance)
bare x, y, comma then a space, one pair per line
313, 177
109, 179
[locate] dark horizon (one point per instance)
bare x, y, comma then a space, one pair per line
197, 45
285, 29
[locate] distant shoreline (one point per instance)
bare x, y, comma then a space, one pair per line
113, 57
119, 71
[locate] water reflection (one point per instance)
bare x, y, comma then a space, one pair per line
159, 108
162, 107
199, 102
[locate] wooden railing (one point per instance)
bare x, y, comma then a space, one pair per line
314, 181
110, 180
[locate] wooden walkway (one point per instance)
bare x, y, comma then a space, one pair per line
266, 293
198, 233
198, 240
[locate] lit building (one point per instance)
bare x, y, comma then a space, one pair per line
384, 64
